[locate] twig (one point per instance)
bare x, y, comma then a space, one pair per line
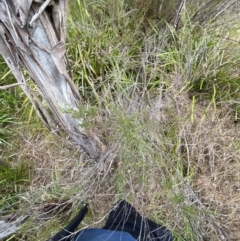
178, 15
36, 15
10, 86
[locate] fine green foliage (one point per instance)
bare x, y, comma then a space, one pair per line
4, 120
7, 106
12, 178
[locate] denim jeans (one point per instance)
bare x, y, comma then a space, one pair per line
94, 234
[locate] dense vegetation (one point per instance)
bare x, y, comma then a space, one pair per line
165, 105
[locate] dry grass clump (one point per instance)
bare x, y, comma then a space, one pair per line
60, 178
179, 172
186, 181
214, 154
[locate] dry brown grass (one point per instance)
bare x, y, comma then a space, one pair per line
201, 183
214, 153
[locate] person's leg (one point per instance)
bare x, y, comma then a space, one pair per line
124, 217
94, 234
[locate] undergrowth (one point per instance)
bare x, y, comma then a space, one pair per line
164, 103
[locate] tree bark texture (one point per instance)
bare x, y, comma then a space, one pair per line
32, 37
162, 10
170, 10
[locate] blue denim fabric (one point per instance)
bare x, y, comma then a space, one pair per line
94, 234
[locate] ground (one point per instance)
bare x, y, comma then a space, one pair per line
165, 106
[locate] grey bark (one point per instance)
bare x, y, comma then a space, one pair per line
170, 10
32, 36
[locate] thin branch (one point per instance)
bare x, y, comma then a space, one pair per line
178, 15
10, 86
41, 9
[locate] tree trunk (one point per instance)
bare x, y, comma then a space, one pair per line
32, 36
160, 10
170, 10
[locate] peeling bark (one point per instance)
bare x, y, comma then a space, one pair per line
32, 36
